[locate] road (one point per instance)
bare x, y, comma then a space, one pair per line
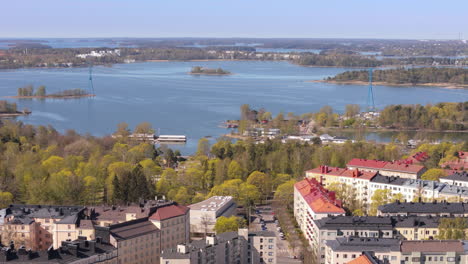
283, 253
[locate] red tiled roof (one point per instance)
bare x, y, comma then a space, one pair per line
343, 172
170, 211
318, 198
376, 164
363, 259
403, 166
463, 155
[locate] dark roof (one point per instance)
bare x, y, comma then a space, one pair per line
262, 233
458, 176
427, 208
131, 229
369, 244
355, 222
25, 214
415, 221
64, 254
389, 180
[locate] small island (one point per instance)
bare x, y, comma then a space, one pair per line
426, 76
28, 92
207, 71
10, 110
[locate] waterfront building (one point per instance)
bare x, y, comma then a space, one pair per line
230, 247
402, 169
203, 215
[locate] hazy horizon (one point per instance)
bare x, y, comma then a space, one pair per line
360, 19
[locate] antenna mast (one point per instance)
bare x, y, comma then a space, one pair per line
370, 94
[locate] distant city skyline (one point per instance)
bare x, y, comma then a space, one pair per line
397, 19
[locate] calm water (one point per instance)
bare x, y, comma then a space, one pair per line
178, 103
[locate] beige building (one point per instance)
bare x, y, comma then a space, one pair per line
230, 247
345, 249
39, 227
433, 251
403, 169
203, 215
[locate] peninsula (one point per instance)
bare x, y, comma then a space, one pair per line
207, 71
427, 76
10, 110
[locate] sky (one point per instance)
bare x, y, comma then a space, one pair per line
403, 19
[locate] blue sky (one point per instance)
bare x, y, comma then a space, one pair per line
408, 19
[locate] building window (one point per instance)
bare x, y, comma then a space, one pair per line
270, 240
261, 240
69, 234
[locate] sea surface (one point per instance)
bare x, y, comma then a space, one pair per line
175, 102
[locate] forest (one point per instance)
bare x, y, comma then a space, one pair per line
39, 165
337, 60
202, 70
413, 76
441, 116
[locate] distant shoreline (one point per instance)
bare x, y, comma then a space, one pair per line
50, 96
440, 85
205, 73
15, 114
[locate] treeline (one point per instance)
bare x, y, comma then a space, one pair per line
338, 60
201, 70
40, 165
41, 92
412, 76
442, 116
7, 107
29, 91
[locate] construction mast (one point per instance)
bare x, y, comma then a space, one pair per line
90, 80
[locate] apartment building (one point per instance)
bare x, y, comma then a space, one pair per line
442, 209
367, 257
433, 251
313, 202
459, 178
80, 251
416, 227
203, 215
38, 227
174, 222
460, 164
345, 249
137, 241
403, 169
356, 178
230, 247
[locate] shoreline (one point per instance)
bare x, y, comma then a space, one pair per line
439, 85
393, 130
50, 96
14, 114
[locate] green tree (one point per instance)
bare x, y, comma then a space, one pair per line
453, 228
6, 198
285, 193
41, 91
235, 171
203, 148
144, 128
381, 197
433, 174
228, 224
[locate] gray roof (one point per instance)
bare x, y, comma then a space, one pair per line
458, 176
262, 233
388, 180
65, 214
355, 222
410, 183
369, 244
424, 208
415, 221
131, 229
